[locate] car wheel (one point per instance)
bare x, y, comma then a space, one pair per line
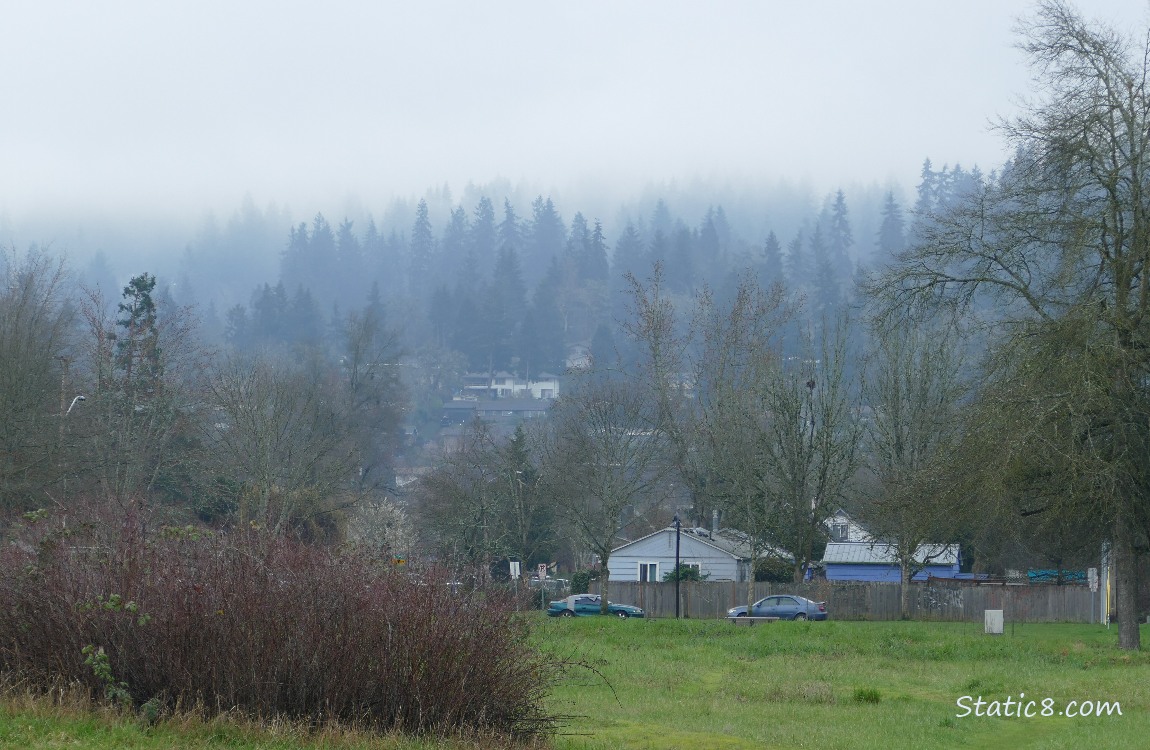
800, 616
741, 614
622, 615
566, 613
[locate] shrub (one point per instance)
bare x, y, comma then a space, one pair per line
581, 580
269, 626
688, 573
774, 570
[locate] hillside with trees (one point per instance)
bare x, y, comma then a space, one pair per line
966, 364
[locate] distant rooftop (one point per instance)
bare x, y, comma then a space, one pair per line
865, 553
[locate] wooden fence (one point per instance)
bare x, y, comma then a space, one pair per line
935, 600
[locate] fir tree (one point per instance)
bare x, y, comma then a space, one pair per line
510, 231
456, 252
350, 278
322, 261
547, 239
594, 266
771, 267
483, 238
891, 237
422, 254
799, 265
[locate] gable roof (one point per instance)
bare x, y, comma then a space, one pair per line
866, 553
855, 531
730, 541
699, 535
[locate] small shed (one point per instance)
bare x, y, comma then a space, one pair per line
866, 561
719, 555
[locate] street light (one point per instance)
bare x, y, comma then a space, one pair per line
678, 573
62, 459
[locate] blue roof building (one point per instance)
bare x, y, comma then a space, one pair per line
872, 561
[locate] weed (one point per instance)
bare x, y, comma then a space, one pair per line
115, 691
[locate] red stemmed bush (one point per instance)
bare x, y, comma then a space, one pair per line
268, 626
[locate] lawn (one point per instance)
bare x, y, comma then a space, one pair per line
705, 684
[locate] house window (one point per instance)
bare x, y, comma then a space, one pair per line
839, 532
648, 572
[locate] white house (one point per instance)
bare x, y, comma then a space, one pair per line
506, 385
721, 555
841, 527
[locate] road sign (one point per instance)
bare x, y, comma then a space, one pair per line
1092, 578
514, 568
542, 571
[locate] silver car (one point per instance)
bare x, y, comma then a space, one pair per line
784, 607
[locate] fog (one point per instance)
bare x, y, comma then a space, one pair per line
181, 106
129, 127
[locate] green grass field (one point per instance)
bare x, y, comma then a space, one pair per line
844, 685
703, 684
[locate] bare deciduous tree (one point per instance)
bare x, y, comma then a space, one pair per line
734, 370
278, 429
485, 502
35, 379
771, 441
605, 461
812, 449
1059, 243
461, 504
911, 391
372, 394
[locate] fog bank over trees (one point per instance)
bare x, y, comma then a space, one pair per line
220, 255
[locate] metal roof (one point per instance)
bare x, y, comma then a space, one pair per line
866, 553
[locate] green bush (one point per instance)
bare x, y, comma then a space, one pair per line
774, 570
581, 580
689, 573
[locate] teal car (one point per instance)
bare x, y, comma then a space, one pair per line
579, 605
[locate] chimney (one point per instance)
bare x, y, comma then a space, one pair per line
714, 522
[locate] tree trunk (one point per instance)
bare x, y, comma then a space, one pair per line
751, 584
1126, 585
604, 582
904, 590
799, 572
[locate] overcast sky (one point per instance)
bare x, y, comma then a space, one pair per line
189, 105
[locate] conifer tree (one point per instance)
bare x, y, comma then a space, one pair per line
422, 253
771, 267
482, 237
891, 237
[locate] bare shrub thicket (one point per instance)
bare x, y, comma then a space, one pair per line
179, 617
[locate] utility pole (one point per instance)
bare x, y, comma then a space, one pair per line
678, 572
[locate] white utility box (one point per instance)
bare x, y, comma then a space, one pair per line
993, 619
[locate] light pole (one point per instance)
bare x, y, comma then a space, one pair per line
62, 459
678, 573
73, 404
